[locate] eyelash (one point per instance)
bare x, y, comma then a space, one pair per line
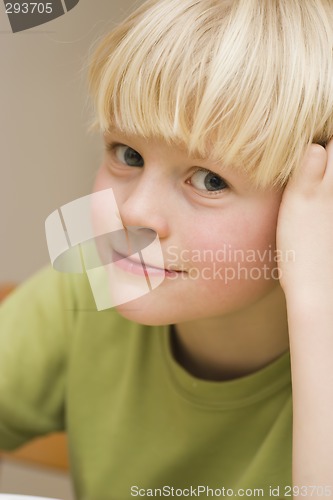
207, 171
110, 147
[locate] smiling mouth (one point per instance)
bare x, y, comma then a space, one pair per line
139, 268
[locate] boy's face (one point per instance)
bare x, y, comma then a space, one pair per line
215, 229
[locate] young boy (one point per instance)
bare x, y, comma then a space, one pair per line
217, 117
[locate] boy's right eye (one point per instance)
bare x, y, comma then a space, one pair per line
126, 155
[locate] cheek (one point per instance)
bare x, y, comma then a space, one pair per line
240, 248
261, 226
259, 232
256, 226
105, 215
240, 266
102, 179
246, 230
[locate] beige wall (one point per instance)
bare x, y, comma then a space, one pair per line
47, 157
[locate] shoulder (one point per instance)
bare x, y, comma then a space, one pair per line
49, 289
54, 309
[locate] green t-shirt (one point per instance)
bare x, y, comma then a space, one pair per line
136, 420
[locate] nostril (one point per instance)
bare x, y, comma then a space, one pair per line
139, 237
140, 230
131, 239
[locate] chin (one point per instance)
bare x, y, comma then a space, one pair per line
143, 316
154, 311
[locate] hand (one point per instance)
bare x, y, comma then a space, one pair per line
305, 226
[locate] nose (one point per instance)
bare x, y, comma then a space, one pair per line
145, 206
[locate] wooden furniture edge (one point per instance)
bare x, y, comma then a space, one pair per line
48, 451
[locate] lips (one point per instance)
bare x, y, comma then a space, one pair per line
135, 266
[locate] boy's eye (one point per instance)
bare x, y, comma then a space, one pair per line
206, 180
128, 156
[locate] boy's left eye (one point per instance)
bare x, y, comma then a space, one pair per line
128, 156
206, 180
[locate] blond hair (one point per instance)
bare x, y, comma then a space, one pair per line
245, 82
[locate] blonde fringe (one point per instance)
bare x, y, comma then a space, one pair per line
245, 82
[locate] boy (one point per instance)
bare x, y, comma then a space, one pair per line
209, 109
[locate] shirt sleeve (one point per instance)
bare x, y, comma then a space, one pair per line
35, 321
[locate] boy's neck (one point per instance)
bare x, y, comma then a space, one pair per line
234, 345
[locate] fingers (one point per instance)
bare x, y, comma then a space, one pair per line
312, 169
329, 166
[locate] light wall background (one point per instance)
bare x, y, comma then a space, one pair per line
47, 156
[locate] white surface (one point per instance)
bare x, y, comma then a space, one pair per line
17, 478
22, 497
